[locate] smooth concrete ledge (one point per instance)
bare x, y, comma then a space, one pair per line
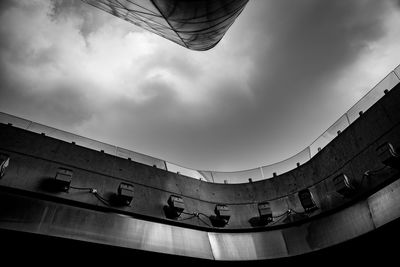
25, 214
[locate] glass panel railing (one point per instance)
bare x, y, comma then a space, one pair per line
238, 176
95, 145
207, 175
15, 121
287, 165
141, 158
397, 72
150, 161
391, 80
125, 153
184, 171
372, 96
39, 128
69, 137
330, 134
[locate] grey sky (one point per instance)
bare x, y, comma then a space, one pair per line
283, 73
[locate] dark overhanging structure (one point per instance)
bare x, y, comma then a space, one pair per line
194, 24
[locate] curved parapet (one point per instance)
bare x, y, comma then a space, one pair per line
195, 24
348, 189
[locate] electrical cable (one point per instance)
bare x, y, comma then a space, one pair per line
286, 213
187, 218
377, 170
300, 213
371, 172
198, 217
94, 192
205, 215
278, 216
81, 188
203, 221
194, 215
102, 199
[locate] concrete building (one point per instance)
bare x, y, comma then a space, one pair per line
61, 196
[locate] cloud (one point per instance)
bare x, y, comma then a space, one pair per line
303, 45
277, 79
299, 50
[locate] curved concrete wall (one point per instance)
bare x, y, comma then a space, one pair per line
30, 214
35, 159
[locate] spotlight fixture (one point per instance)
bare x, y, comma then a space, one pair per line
4, 162
264, 209
343, 186
307, 200
63, 179
388, 156
223, 214
125, 193
176, 206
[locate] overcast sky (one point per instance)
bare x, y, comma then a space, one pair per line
282, 74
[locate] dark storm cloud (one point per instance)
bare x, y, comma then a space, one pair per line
265, 92
64, 104
298, 48
6, 4
25, 71
310, 39
54, 105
